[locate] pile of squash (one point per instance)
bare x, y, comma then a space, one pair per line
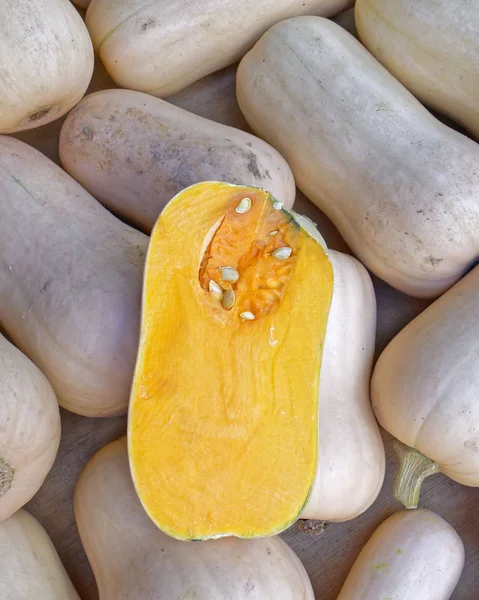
153, 267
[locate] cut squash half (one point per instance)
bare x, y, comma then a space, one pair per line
224, 410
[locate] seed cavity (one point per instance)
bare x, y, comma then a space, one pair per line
215, 290
273, 283
247, 315
229, 274
277, 205
228, 299
6, 477
282, 253
243, 206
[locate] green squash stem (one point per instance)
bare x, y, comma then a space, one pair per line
413, 469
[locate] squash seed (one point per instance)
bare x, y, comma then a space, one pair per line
229, 274
243, 206
228, 299
247, 316
274, 232
282, 253
215, 290
277, 205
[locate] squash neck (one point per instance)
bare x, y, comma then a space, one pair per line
413, 469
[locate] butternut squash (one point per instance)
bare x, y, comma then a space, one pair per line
431, 47
70, 281
134, 152
425, 391
131, 558
160, 47
223, 420
46, 62
413, 555
29, 563
29, 429
400, 186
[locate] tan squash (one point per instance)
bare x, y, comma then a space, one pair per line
223, 420
29, 564
412, 555
82, 3
46, 62
400, 186
431, 47
161, 47
425, 390
70, 281
29, 429
131, 558
134, 152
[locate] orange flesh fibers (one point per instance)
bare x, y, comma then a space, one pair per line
224, 407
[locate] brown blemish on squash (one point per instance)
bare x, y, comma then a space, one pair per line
135, 255
37, 117
6, 477
151, 22
39, 114
45, 286
252, 165
87, 132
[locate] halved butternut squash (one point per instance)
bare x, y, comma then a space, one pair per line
223, 418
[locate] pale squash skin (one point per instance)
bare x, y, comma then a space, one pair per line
134, 153
400, 186
131, 558
46, 62
432, 47
351, 460
29, 563
70, 282
29, 429
412, 555
161, 47
425, 387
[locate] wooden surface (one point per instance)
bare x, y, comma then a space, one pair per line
327, 557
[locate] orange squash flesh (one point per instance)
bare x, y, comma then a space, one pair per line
224, 407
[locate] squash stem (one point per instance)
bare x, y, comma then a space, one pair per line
6, 477
413, 469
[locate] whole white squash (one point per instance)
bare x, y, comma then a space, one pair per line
425, 390
412, 555
46, 62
